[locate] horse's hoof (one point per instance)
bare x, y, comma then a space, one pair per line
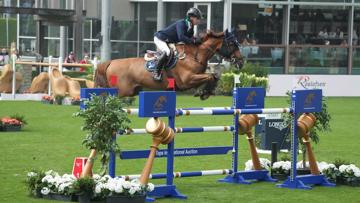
198, 93
204, 96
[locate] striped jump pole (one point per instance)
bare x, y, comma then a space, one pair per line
219, 111
182, 174
181, 112
141, 131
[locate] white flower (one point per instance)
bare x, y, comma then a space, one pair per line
300, 164
46, 179
110, 186
265, 163
248, 165
343, 168
98, 188
127, 185
31, 174
118, 188
105, 178
61, 188
96, 177
353, 168
150, 187
51, 172
323, 166
284, 165
132, 190
357, 174
45, 191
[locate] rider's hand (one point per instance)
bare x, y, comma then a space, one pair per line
197, 40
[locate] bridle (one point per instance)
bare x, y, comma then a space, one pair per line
227, 48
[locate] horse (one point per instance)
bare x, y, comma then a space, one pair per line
130, 76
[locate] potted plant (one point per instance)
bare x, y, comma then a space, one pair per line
10, 124
84, 187
34, 183
58, 99
119, 190
46, 99
75, 100
58, 187
264, 163
103, 117
281, 170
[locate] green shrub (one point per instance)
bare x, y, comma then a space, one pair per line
103, 117
226, 83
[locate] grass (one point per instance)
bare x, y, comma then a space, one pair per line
52, 140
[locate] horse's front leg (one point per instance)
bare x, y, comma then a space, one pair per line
199, 79
209, 82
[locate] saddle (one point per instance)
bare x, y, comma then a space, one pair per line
152, 58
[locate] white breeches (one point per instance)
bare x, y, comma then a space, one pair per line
162, 46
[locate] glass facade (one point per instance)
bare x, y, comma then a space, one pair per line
318, 40
295, 37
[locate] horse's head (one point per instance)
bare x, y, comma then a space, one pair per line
225, 44
230, 49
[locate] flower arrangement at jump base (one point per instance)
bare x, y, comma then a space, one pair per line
118, 189
51, 185
344, 174
12, 123
75, 100
46, 99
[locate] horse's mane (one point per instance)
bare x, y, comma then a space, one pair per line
212, 34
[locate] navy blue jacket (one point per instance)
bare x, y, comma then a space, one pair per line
176, 32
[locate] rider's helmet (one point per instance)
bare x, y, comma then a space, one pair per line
194, 12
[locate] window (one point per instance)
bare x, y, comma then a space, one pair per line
262, 23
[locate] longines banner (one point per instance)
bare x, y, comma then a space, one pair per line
332, 85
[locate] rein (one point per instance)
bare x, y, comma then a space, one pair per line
210, 50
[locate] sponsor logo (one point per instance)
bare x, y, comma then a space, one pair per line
160, 103
278, 125
103, 94
307, 83
309, 100
250, 97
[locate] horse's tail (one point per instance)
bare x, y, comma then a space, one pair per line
100, 75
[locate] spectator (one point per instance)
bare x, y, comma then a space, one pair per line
344, 43
70, 59
339, 33
355, 38
254, 47
323, 33
85, 60
4, 57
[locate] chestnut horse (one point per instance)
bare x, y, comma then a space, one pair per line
130, 73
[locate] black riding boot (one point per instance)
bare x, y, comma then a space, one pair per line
161, 63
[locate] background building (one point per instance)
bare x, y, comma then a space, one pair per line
291, 37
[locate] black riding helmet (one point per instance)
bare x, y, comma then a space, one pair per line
194, 12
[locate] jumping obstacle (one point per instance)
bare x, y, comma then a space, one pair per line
252, 103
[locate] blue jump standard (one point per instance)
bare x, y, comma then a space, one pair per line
302, 182
166, 191
245, 177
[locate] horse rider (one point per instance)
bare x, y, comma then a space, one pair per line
180, 31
